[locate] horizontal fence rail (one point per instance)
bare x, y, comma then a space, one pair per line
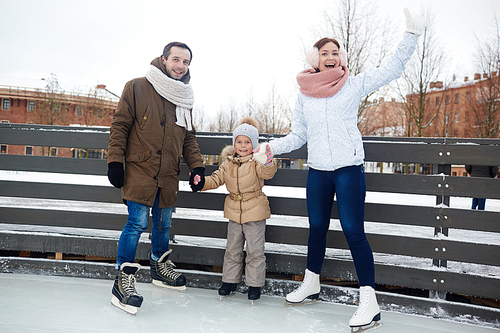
281, 238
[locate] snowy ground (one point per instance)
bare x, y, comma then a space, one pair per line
37, 303
371, 197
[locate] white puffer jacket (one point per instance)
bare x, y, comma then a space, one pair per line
329, 125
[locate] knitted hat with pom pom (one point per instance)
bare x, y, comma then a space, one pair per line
249, 128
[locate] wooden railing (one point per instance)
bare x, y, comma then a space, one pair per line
420, 261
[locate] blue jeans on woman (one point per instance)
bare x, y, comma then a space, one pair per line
137, 223
349, 185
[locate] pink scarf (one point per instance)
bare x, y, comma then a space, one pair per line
322, 84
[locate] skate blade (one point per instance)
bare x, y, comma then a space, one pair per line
376, 324
306, 301
125, 307
252, 301
222, 298
167, 286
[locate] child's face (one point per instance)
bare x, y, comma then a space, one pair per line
243, 145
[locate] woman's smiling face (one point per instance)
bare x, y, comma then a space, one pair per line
328, 57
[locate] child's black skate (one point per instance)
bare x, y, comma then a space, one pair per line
227, 290
253, 293
125, 297
163, 274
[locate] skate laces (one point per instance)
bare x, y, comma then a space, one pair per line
305, 284
128, 283
364, 301
167, 269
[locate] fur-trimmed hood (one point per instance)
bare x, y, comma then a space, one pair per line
227, 151
230, 152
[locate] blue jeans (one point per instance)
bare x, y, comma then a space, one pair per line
137, 223
478, 203
349, 185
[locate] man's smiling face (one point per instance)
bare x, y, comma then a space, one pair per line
177, 63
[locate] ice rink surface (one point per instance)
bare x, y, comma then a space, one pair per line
39, 303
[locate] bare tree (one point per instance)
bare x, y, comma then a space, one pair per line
421, 70
93, 106
226, 118
199, 119
367, 38
51, 106
274, 114
484, 102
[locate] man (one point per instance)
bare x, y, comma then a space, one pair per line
150, 131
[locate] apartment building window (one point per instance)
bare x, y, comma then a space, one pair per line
3, 149
447, 100
55, 109
31, 106
28, 151
78, 111
53, 152
457, 98
6, 103
437, 100
467, 96
4, 121
456, 118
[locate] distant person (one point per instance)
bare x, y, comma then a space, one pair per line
246, 207
150, 131
325, 117
482, 171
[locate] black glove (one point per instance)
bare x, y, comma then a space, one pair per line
200, 182
116, 174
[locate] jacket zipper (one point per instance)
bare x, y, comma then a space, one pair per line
238, 184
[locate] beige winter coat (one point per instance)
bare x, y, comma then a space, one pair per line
244, 179
145, 138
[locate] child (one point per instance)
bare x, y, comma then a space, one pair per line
246, 207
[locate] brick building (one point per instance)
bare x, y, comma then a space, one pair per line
467, 109
43, 107
383, 118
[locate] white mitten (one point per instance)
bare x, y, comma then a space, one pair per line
263, 154
414, 24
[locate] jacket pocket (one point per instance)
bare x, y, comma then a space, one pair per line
144, 118
139, 157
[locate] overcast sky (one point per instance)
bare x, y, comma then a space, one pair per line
240, 49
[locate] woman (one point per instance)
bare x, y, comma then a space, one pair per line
325, 117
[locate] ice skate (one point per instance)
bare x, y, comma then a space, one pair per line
307, 293
253, 294
227, 290
367, 316
125, 297
163, 274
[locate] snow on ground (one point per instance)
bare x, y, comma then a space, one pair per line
39, 303
373, 228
